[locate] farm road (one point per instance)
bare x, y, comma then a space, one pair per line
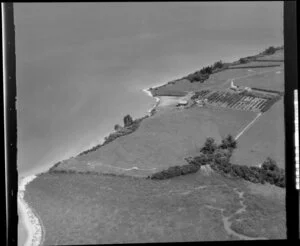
248, 126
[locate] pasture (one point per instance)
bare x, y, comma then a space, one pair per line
96, 209
271, 80
256, 74
162, 140
265, 138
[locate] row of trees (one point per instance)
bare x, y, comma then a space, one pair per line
210, 146
127, 120
175, 171
269, 51
243, 60
130, 126
203, 74
209, 155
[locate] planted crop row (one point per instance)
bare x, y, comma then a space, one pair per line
269, 103
260, 104
219, 97
212, 97
200, 94
253, 106
225, 96
248, 105
237, 98
244, 101
233, 100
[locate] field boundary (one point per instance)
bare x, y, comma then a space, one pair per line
248, 126
235, 67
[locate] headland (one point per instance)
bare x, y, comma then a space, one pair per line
107, 194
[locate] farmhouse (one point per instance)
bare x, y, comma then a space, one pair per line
239, 89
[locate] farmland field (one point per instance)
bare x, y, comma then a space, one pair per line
267, 77
162, 140
89, 209
271, 80
265, 138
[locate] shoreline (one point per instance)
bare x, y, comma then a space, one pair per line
32, 223
148, 92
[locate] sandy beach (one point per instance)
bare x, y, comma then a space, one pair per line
32, 223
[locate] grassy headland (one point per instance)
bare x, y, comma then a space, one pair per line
192, 81
96, 198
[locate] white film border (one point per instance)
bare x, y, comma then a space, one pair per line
296, 137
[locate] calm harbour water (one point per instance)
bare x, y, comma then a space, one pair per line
82, 66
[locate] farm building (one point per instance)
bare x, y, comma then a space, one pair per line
182, 103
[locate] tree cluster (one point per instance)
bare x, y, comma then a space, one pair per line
218, 157
210, 146
243, 60
203, 74
217, 65
117, 127
130, 126
269, 51
211, 153
197, 77
175, 171
127, 120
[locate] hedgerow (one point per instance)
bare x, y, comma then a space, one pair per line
219, 160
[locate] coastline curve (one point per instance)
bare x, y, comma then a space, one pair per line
32, 222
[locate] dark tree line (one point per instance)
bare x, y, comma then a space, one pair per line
269, 51
218, 157
211, 153
203, 74
130, 126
